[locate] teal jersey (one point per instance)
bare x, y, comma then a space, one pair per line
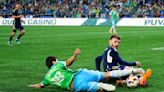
114, 14
59, 75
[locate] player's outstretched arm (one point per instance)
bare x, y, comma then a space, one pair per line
19, 16
138, 63
73, 58
36, 85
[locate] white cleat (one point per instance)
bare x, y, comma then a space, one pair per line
9, 43
17, 41
107, 87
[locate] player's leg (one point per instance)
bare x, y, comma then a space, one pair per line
95, 77
111, 29
96, 86
90, 82
143, 79
105, 86
120, 73
114, 26
22, 32
11, 36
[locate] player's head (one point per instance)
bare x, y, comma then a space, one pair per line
50, 60
114, 41
17, 6
114, 7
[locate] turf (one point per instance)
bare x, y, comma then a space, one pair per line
23, 64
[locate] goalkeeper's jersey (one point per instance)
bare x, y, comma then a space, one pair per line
59, 75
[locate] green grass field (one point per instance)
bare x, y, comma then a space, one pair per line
23, 64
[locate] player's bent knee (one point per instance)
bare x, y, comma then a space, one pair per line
13, 34
14, 30
23, 32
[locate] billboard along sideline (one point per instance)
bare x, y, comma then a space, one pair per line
84, 22
141, 22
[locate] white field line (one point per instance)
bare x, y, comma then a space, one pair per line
101, 31
53, 35
85, 33
159, 48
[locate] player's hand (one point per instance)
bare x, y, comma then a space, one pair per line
138, 64
20, 16
77, 51
35, 86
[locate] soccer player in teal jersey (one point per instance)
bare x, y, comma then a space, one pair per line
81, 80
114, 15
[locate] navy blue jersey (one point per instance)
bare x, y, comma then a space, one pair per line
17, 21
110, 59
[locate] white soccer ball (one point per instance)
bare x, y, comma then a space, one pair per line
132, 81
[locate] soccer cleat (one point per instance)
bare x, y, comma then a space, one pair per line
106, 87
143, 80
17, 41
9, 43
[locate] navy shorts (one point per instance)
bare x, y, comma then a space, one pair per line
18, 27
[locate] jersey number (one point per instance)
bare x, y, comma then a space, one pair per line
58, 77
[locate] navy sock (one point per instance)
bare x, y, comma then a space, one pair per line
11, 37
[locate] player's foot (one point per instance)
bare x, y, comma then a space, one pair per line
9, 43
138, 71
107, 87
17, 41
110, 31
143, 79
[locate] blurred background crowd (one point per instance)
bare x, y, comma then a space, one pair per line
83, 8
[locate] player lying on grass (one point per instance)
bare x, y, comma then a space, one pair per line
111, 57
81, 80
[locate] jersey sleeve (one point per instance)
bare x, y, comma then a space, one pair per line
61, 64
20, 12
45, 82
110, 13
118, 15
121, 61
14, 12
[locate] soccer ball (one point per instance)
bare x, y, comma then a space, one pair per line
132, 81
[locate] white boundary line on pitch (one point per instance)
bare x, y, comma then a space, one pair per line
38, 36
95, 31
159, 48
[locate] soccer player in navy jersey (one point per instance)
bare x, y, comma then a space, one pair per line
111, 58
17, 14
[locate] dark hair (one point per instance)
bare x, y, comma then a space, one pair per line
49, 60
114, 6
115, 36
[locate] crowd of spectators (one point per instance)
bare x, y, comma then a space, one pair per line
84, 8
